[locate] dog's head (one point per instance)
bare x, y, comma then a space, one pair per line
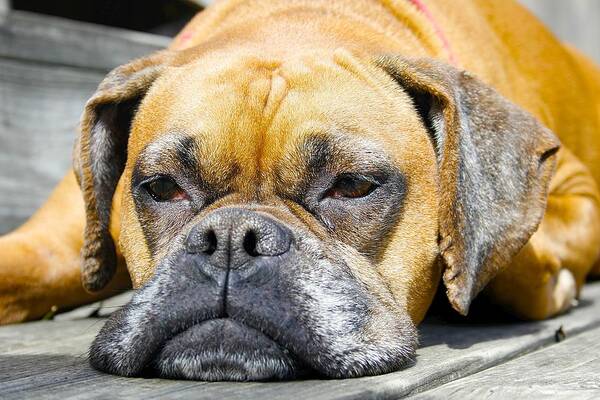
283, 217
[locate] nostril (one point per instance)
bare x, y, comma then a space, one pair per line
250, 242
211, 242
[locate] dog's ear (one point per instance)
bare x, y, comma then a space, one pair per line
495, 162
99, 158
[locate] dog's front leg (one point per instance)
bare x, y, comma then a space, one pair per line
40, 261
548, 273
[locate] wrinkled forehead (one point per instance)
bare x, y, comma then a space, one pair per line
256, 111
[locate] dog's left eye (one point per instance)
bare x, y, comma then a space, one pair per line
165, 189
351, 187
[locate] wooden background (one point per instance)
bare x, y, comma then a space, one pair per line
50, 66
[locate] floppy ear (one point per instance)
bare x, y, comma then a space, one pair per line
495, 162
99, 158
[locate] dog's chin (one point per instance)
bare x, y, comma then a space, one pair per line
224, 350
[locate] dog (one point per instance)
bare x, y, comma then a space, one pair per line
285, 186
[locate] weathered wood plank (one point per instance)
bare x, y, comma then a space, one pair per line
98, 309
49, 67
47, 360
568, 370
37, 38
40, 107
4, 6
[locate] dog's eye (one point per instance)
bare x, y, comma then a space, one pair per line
165, 189
351, 187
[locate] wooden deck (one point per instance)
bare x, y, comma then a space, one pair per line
457, 359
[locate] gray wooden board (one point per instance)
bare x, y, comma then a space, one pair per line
49, 67
48, 360
4, 6
38, 38
568, 370
40, 107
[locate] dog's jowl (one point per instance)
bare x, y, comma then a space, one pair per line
287, 185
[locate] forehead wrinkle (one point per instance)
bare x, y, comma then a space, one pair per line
265, 93
353, 65
376, 79
277, 92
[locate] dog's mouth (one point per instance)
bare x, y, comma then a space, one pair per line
224, 349
277, 324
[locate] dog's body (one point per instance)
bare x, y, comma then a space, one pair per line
271, 104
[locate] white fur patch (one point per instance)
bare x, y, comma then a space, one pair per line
564, 292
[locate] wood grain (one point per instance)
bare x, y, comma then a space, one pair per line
568, 370
40, 107
49, 67
53, 40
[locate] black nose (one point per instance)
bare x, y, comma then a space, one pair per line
231, 237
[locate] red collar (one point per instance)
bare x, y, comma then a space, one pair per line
420, 5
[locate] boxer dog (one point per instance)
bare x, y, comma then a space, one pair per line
288, 182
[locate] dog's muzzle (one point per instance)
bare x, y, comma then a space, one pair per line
237, 248
248, 299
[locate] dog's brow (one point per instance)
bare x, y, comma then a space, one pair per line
342, 152
172, 154
174, 150
317, 151
187, 150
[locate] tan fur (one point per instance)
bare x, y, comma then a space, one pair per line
321, 84
40, 262
258, 49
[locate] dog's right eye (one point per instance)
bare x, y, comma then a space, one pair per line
351, 187
164, 189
